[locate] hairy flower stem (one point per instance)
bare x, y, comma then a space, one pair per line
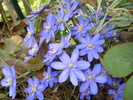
72, 92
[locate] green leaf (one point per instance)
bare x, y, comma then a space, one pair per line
118, 61
11, 47
128, 92
4, 54
2, 95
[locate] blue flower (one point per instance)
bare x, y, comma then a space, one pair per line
118, 95
9, 80
29, 39
55, 49
91, 78
60, 19
49, 29
85, 94
70, 11
114, 36
104, 73
114, 82
71, 2
49, 77
106, 31
38, 11
35, 89
71, 67
82, 27
90, 46
32, 51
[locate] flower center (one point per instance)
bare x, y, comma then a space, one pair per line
48, 76
90, 77
103, 31
54, 50
29, 33
102, 74
90, 45
9, 80
33, 49
71, 66
80, 28
67, 12
59, 20
33, 89
48, 27
114, 84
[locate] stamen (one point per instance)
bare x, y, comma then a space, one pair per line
48, 27
70, 66
34, 89
90, 77
9, 80
90, 45
80, 28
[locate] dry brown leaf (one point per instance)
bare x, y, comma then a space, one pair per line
126, 36
39, 74
91, 2
20, 25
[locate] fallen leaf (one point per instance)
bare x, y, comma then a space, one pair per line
20, 25
91, 2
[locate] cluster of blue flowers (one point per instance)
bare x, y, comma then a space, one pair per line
75, 65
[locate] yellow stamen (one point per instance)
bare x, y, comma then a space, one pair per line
28, 33
34, 89
48, 76
90, 77
80, 28
90, 45
48, 27
33, 49
114, 84
9, 80
70, 66
59, 20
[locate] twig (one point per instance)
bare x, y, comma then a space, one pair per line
5, 18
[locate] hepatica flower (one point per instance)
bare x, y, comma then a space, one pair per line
71, 2
82, 27
117, 95
49, 77
38, 11
71, 67
92, 78
29, 39
32, 51
60, 19
9, 80
85, 94
49, 29
70, 11
35, 89
106, 31
56, 49
104, 73
114, 82
90, 46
